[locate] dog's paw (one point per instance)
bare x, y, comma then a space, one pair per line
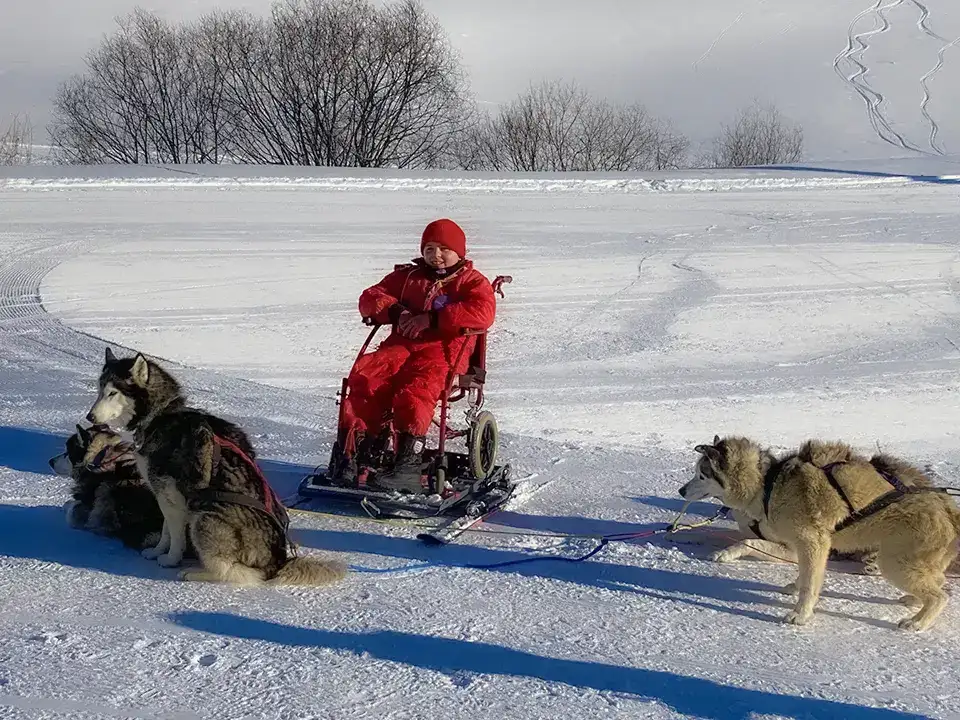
76, 514
912, 624
910, 601
150, 541
168, 560
871, 565
151, 553
789, 589
726, 555
795, 618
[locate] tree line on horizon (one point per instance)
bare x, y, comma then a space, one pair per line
352, 83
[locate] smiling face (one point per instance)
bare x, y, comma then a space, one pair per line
439, 257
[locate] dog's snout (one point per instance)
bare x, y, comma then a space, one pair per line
683, 492
53, 463
90, 417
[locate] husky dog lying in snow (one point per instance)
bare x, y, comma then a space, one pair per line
202, 470
109, 496
826, 496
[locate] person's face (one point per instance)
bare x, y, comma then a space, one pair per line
439, 257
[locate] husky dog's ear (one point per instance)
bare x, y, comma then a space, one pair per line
84, 435
709, 450
716, 440
109, 357
140, 372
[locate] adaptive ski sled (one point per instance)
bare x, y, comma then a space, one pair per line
465, 486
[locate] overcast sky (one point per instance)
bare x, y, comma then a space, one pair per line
692, 61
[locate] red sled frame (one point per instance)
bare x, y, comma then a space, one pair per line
481, 433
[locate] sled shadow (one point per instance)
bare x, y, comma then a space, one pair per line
686, 695
41, 533
574, 525
569, 525
285, 477
650, 582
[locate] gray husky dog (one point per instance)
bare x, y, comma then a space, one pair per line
825, 496
202, 470
109, 496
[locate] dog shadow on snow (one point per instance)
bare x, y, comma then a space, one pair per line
461, 659
657, 583
40, 532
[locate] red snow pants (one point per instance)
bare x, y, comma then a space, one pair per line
403, 377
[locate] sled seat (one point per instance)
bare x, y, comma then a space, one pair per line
476, 374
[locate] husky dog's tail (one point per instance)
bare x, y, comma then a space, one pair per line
309, 571
901, 470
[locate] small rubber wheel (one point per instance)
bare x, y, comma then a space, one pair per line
484, 445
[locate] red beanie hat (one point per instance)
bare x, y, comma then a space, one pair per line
446, 233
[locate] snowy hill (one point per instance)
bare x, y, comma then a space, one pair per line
646, 314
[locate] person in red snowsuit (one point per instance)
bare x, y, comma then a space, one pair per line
429, 303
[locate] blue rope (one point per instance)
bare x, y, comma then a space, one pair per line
538, 558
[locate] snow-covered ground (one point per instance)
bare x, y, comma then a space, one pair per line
645, 316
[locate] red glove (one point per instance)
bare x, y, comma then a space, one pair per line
412, 326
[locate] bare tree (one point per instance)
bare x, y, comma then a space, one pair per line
16, 142
150, 94
561, 127
759, 136
345, 82
319, 82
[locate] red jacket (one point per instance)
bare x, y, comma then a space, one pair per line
462, 300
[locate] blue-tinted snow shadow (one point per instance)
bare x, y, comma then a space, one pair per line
675, 505
933, 179
576, 525
687, 695
570, 524
709, 592
657, 583
41, 533
30, 449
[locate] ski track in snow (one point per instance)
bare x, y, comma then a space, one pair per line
925, 84
924, 21
638, 323
853, 53
718, 38
924, 24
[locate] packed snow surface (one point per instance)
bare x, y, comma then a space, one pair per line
646, 314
